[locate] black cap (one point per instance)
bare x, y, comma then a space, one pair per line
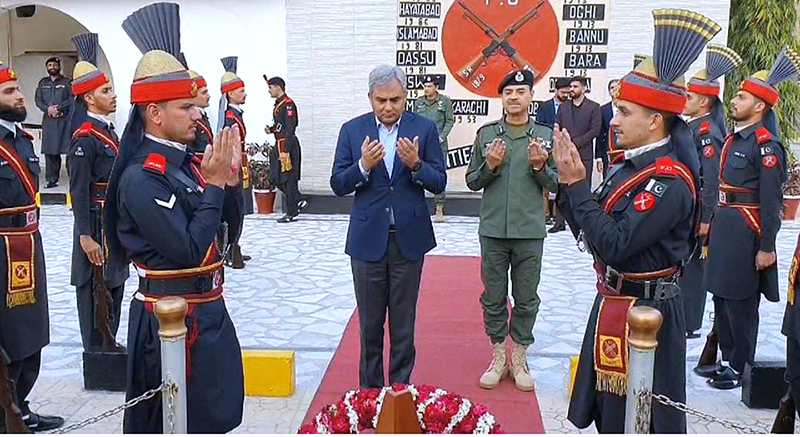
519, 77
53, 59
562, 82
430, 79
277, 81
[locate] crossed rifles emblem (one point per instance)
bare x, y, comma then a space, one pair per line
498, 42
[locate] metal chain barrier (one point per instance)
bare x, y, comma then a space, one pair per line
643, 414
168, 387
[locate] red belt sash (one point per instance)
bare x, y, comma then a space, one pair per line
750, 211
19, 242
611, 345
794, 274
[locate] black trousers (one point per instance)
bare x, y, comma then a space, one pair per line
390, 284
23, 375
737, 328
90, 335
291, 194
52, 169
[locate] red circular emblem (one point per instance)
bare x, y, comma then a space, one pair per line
610, 349
769, 161
644, 201
709, 151
532, 38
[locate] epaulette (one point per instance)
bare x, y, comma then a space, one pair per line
289, 100
763, 135
156, 163
666, 167
84, 131
26, 134
541, 124
705, 128
229, 114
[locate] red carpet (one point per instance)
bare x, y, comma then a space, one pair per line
452, 349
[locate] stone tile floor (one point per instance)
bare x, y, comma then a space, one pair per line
296, 294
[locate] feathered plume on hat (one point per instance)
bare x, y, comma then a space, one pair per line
764, 84
637, 59
86, 76
230, 81
720, 61
658, 82
155, 30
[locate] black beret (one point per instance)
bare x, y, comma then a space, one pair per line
429, 79
519, 77
277, 81
53, 59
562, 82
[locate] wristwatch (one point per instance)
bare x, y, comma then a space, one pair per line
417, 166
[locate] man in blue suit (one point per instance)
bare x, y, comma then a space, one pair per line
388, 157
547, 111
607, 112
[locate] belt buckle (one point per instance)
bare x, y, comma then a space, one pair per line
723, 198
618, 286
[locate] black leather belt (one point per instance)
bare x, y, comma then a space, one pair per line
660, 285
199, 284
726, 197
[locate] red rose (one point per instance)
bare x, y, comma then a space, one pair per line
467, 425
309, 428
340, 425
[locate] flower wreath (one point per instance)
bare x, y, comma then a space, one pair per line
438, 412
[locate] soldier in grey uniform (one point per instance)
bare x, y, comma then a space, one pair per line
437, 107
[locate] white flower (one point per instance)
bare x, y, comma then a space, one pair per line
352, 416
485, 424
463, 410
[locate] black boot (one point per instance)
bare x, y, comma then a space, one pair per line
236, 257
707, 365
784, 421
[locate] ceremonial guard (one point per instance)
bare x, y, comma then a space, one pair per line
286, 158
163, 210
784, 422
238, 199
742, 263
640, 227
707, 119
203, 134
54, 99
510, 164
92, 154
24, 322
437, 107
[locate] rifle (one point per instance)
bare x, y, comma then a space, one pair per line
499, 41
102, 297
14, 422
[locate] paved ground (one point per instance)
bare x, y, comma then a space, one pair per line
297, 294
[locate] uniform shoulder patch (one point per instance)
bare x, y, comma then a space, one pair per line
156, 163
709, 151
769, 161
27, 134
644, 201
705, 128
763, 135
666, 167
656, 187
229, 114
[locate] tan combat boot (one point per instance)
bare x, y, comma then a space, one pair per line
498, 369
439, 214
519, 368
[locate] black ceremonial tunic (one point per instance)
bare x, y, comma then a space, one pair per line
635, 237
167, 222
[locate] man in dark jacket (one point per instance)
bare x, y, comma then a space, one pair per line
54, 99
547, 111
607, 112
582, 120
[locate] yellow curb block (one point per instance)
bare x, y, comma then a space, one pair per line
573, 370
268, 373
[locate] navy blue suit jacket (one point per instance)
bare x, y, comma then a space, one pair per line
606, 114
546, 113
376, 196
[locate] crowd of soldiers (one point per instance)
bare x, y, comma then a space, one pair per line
684, 208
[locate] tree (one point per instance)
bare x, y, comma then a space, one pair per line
759, 30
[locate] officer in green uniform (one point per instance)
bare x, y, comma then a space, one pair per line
510, 162
437, 107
